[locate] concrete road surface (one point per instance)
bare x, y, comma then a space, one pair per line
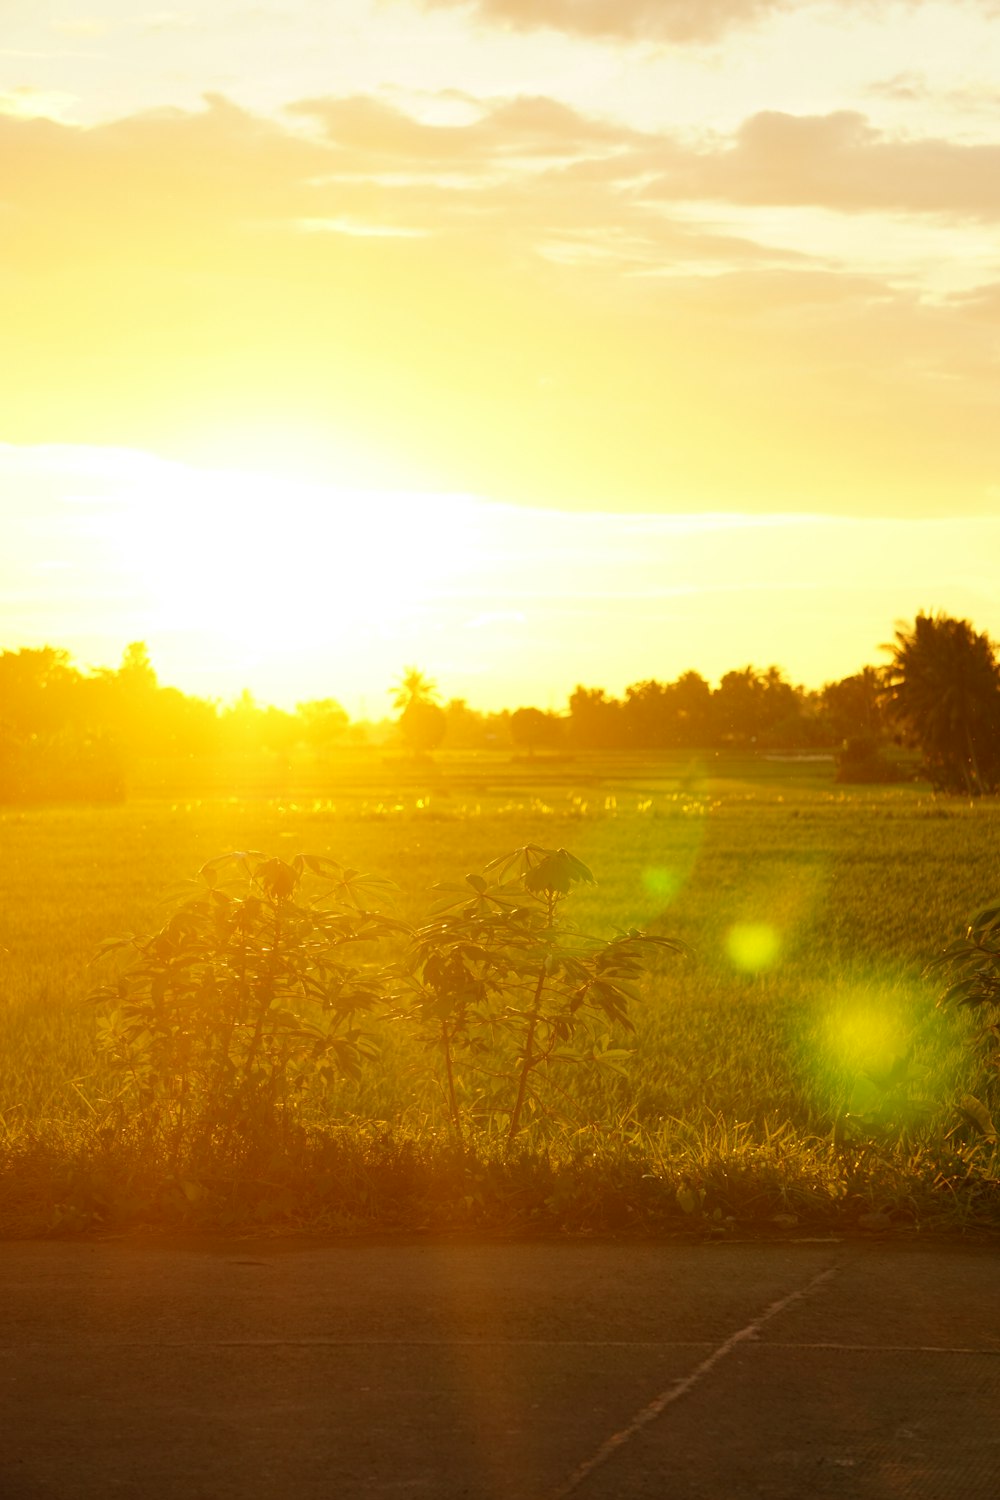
498, 1371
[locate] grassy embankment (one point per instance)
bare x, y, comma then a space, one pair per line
792, 1075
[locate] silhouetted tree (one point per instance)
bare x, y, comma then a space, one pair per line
280, 731
126, 700
944, 687
853, 707
649, 716
757, 708
413, 687
324, 723
595, 720
467, 729
184, 725
422, 722
422, 725
136, 671
533, 730
240, 723
39, 690
659, 716
691, 697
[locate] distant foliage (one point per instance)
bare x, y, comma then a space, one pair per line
324, 723
667, 715
468, 729
70, 765
944, 689
865, 761
423, 726
422, 722
748, 710
855, 708
940, 694
532, 730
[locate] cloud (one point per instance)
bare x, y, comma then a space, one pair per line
511, 306
677, 21
906, 88
913, 87
838, 161
983, 303
660, 20
377, 134
841, 161
528, 170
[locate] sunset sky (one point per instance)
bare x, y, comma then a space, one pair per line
531, 341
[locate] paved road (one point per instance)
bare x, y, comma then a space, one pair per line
499, 1372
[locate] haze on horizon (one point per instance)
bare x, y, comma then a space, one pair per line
535, 342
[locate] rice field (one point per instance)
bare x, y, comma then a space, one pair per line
794, 1063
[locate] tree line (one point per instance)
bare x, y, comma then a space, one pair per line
71, 733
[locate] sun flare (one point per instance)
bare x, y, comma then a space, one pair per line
264, 562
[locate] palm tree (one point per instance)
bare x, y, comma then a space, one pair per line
422, 721
413, 687
944, 687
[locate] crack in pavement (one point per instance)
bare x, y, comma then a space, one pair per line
680, 1388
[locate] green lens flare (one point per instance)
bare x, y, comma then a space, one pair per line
662, 882
753, 946
865, 1037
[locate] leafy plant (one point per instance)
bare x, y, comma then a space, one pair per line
505, 989
886, 1105
243, 997
972, 965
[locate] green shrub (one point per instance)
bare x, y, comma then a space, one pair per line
506, 990
242, 999
253, 994
864, 762
972, 966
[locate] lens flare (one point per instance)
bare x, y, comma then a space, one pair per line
866, 1037
753, 946
662, 882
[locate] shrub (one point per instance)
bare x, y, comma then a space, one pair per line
255, 989
242, 998
972, 966
863, 762
506, 990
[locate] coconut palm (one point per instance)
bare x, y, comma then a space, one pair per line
413, 687
944, 687
422, 722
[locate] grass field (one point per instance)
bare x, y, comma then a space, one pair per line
794, 1066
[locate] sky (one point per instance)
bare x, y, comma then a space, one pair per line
534, 342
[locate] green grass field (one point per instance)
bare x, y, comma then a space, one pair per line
794, 1065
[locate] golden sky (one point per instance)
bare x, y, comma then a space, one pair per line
536, 341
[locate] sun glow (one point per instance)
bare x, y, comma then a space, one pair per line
263, 562
245, 576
